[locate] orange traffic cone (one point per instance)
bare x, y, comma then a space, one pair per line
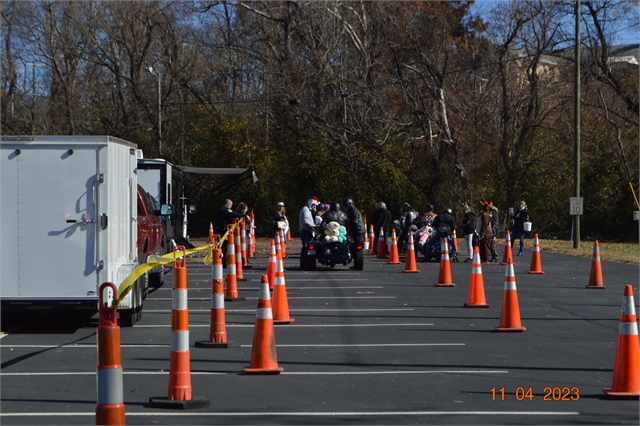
280, 301
232, 280
455, 241
410, 264
110, 408
626, 369
238, 251
476, 297
243, 243
179, 390
508, 254
510, 315
264, 359
252, 231
394, 257
444, 276
536, 264
271, 266
283, 244
382, 245
366, 237
595, 276
218, 325
211, 232
372, 239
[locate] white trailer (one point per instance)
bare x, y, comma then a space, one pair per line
68, 222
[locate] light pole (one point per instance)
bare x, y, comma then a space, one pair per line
158, 111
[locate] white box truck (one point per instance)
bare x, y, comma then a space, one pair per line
68, 222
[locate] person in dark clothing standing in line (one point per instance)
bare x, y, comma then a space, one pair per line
485, 232
225, 217
443, 225
382, 218
468, 228
519, 218
356, 228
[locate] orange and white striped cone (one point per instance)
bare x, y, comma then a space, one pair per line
264, 359
444, 275
110, 409
211, 232
231, 294
218, 325
366, 237
510, 314
536, 262
179, 390
595, 276
382, 245
410, 263
243, 243
279, 257
271, 266
280, 301
476, 297
283, 244
372, 239
394, 256
238, 250
455, 241
508, 253
252, 252
626, 369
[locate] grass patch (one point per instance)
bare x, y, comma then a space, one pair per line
614, 252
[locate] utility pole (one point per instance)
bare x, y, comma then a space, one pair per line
158, 111
576, 130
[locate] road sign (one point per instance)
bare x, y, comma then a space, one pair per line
575, 206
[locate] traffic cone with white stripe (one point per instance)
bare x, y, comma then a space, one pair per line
283, 244
595, 276
444, 275
252, 231
280, 301
110, 408
382, 245
476, 297
510, 314
508, 253
626, 369
211, 232
243, 243
455, 241
264, 359
366, 238
271, 266
394, 257
218, 325
536, 263
238, 251
179, 390
410, 263
231, 294
372, 239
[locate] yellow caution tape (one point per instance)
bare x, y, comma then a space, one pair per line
634, 195
157, 260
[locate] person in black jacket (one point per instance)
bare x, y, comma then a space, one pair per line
519, 218
225, 217
356, 229
334, 215
443, 225
382, 218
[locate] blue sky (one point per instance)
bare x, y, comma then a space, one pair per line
627, 36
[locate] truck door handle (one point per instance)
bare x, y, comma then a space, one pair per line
84, 220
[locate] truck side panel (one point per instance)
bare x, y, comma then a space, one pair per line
45, 256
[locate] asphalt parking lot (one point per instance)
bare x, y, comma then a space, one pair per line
377, 346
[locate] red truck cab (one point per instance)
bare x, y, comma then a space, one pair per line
151, 238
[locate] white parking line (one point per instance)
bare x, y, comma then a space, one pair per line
309, 414
291, 326
166, 311
284, 373
373, 345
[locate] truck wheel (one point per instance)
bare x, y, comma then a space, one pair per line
358, 260
156, 277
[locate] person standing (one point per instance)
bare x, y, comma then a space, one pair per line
469, 229
485, 232
495, 226
381, 219
519, 218
280, 220
225, 217
407, 216
307, 224
355, 229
